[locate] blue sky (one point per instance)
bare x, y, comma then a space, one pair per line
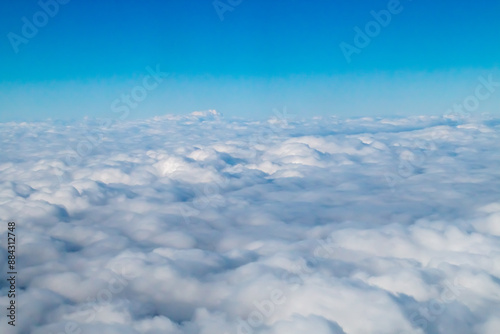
262, 55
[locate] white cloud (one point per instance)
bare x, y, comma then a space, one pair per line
199, 224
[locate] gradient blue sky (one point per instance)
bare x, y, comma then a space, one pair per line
263, 55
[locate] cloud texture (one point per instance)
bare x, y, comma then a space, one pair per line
197, 224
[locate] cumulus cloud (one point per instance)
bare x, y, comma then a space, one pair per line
201, 224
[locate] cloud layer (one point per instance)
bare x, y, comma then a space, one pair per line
198, 224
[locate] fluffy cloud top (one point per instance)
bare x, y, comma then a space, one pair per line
198, 224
